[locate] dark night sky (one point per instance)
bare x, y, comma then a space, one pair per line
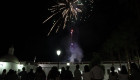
21, 25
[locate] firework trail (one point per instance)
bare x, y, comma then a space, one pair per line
76, 53
68, 9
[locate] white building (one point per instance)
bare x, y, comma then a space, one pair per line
9, 61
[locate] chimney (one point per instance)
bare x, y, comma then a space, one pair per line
11, 50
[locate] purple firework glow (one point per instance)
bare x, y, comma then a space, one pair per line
76, 52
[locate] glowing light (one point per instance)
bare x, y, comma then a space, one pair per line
20, 66
68, 64
81, 71
3, 64
119, 69
116, 71
60, 70
71, 31
58, 52
71, 44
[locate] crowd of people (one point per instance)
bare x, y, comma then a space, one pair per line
23, 75
124, 74
94, 73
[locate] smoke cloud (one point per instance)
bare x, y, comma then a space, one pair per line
76, 53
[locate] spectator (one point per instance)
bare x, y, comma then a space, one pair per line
135, 72
3, 75
86, 73
68, 74
53, 74
123, 75
31, 75
11, 75
77, 73
23, 74
40, 74
113, 75
96, 72
62, 75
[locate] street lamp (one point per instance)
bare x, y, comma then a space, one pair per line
58, 53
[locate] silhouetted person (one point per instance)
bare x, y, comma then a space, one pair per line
57, 73
31, 75
123, 75
3, 75
77, 73
15, 76
11, 75
113, 75
50, 74
135, 72
53, 74
68, 74
40, 74
97, 73
23, 74
62, 75
86, 73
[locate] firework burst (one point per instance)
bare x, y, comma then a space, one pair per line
68, 9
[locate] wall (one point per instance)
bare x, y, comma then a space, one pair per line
8, 66
47, 67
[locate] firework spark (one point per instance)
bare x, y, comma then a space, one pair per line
91, 1
68, 9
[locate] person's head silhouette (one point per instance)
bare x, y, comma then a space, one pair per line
77, 66
23, 69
